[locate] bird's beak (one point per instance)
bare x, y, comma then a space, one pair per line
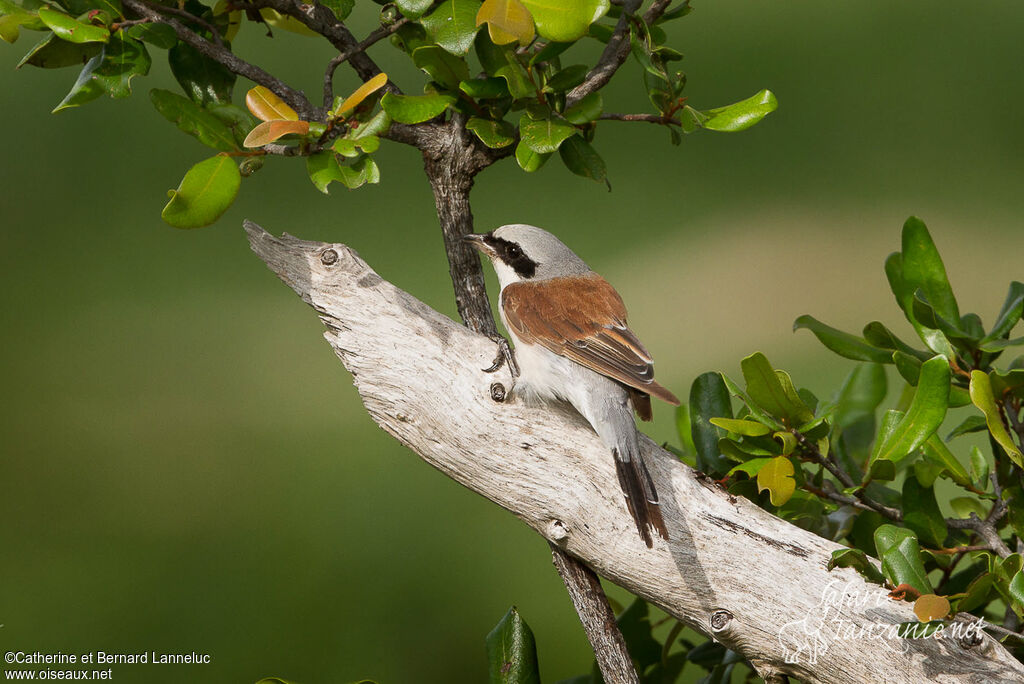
480, 242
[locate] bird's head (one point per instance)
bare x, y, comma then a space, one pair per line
521, 252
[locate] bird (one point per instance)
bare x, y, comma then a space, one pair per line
572, 344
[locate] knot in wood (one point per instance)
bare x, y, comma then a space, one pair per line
328, 257
720, 619
557, 532
970, 638
497, 392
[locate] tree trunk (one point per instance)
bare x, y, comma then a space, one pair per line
451, 164
731, 570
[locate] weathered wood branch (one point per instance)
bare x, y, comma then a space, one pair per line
731, 570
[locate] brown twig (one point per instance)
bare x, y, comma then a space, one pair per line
189, 17
320, 19
659, 119
613, 56
596, 615
295, 99
984, 529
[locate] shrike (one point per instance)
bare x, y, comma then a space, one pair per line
572, 344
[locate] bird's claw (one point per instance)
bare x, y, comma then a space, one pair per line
504, 356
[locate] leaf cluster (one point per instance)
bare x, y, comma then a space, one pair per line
878, 480
498, 67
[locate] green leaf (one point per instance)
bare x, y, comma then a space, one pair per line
1009, 315
921, 513
979, 468
923, 417
377, 125
964, 506
982, 397
443, 68
969, 424
777, 477
413, 8
501, 62
1000, 345
192, 119
72, 30
202, 79
582, 159
413, 109
748, 428
545, 135
842, 343
773, 391
512, 652
586, 110
157, 35
529, 160
709, 399
878, 335
485, 88
53, 53
565, 20
861, 394
549, 52
1007, 382
923, 268
936, 452
109, 72
567, 79
453, 25
494, 134
324, 168
340, 8
751, 467
205, 193
858, 560
742, 115
238, 120
978, 592
900, 554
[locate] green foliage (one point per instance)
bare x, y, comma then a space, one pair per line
511, 652
872, 480
522, 103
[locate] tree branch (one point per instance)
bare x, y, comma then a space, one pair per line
730, 569
612, 57
322, 20
295, 98
649, 118
597, 618
345, 55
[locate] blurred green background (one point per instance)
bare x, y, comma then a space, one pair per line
186, 466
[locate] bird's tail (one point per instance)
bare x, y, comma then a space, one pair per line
641, 497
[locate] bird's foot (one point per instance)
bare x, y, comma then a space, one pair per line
504, 356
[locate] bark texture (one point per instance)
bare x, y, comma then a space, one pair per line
731, 570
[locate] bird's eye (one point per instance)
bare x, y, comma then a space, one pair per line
514, 252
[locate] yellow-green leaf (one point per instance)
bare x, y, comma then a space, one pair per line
982, 397
269, 131
286, 23
777, 477
507, 21
267, 106
206, 192
565, 20
931, 607
361, 93
72, 30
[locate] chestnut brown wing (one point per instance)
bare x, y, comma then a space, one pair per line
582, 318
